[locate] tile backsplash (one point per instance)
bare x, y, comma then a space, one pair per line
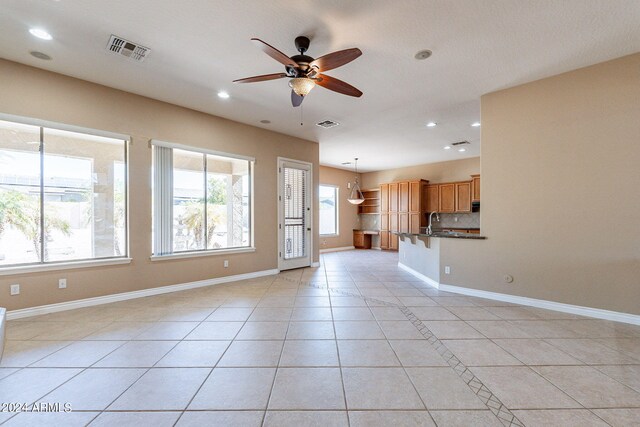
369, 222
458, 220
447, 220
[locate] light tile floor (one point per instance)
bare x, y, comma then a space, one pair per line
355, 342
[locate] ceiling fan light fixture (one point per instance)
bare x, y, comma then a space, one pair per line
302, 85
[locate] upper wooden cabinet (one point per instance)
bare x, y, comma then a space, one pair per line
447, 198
403, 197
463, 197
475, 188
393, 197
451, 197
415, 196
431, 198
384, 197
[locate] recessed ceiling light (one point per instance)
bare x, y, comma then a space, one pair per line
462, 150
266, 122
431, 124
40, 55
448, 147
423, 54
222, 94
475, 124
40, 33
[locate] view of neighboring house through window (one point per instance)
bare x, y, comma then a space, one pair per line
62, 195
208, 207
328, 195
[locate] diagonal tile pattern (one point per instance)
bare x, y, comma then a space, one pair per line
354, 342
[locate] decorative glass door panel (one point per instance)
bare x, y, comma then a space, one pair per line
295, 209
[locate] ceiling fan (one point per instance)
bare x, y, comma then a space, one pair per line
305, 72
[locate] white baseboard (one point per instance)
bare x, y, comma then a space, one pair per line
428, 280
342, 248
315, 264
597, 313
89, 302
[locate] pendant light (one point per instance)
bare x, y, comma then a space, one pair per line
356, 197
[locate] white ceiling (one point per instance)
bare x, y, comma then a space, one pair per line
200, 46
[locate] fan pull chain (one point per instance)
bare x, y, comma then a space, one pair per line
301, 115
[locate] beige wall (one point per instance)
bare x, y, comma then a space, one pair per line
347, 213
40, 94
560, 191
454, 170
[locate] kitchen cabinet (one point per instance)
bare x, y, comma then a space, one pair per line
431, 197
404, 210
393, 242
393, 197
361, 240
415, 222
447, 198
403, 197
463, 197
403, 222
416, 204
384, 239
384, 198
393, 222
475, 188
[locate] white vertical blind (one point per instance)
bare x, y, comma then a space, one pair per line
162, 200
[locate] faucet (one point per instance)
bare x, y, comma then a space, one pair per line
429, 230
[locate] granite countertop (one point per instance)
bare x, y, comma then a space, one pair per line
445, 235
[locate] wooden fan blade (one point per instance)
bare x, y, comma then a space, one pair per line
337, 85
336, 59
296, 99
261, 78
274, 53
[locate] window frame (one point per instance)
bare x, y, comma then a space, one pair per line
206, 252
336, 192
42, 265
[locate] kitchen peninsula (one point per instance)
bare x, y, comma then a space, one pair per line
423, 254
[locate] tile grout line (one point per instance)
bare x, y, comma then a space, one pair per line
486, 396
404, 369
275, 373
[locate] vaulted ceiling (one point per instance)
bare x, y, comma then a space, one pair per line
200, 46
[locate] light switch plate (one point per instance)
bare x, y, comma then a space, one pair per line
62, 284
15, 289
447, 269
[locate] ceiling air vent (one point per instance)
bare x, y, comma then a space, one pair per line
131, 50
455, 144
327, 124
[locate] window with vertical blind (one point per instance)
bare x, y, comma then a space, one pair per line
201, 200
328, 195
63, 194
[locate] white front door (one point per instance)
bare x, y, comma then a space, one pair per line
294, 214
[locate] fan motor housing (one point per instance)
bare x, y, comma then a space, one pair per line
302, 44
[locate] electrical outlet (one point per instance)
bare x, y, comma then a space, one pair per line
62, 284
447, 269
226, 263
15, 289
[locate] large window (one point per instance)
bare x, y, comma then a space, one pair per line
62, 195
328, 210
202, 200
